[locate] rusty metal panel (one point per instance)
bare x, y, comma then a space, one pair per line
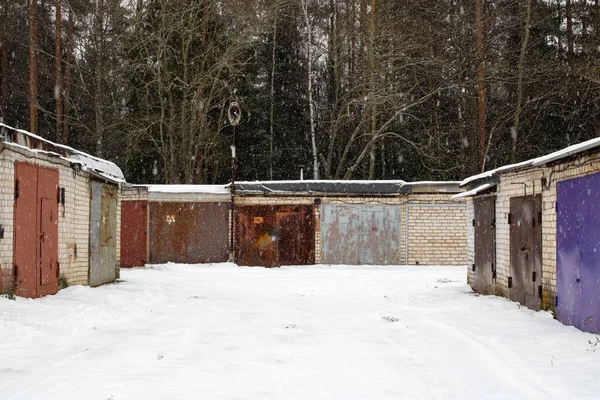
526, 250
48, 191
134, 219
188, 232
103, 234
25, 250
272, 236
360, 234
485, 244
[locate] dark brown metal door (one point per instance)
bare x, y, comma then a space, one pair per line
36, 230
485, 244
271, 236
26, 230
525, 221
188, 233
134, 219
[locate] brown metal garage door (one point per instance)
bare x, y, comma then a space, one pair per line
188, 232
35, 254
134, 219
485, 244
271, 236
525, 221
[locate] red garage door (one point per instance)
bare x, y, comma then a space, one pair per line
133, 233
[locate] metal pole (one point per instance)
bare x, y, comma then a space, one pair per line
233, 159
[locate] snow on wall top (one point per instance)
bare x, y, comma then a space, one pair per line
352, 187
539, 161
203, 189
37, 144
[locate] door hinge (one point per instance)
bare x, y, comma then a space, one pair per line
540, 291
533, 222
473, 221
16, 189
555, 301
533, 276
510, 218
473, 267
494, 223
540, 218
57, 268
15, 271
510, 282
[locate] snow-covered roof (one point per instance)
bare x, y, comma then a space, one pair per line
201, 189
473, 192
341, 187
35, 144
539, 161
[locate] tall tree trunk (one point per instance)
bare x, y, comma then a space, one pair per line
68, 67
4, 71
480, 82
98, 77
33, 126
311, 104
58, 83
371, 72
569, 17
272, 99
522, 56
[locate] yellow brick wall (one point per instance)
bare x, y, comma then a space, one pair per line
73, 222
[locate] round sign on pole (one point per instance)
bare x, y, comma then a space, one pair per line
234, 113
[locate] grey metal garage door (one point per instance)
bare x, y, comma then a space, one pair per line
358, 234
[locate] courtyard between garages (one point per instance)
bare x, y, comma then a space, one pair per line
313, 332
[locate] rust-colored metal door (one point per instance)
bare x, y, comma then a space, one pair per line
485, 244
272, 236
35, 254
48, 190
525, 221
26, 230
189, 232
134, 220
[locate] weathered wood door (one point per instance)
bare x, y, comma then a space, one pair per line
134, 219
525, 221
484, 244
35, 251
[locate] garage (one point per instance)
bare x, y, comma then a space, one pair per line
578, 260
361, 234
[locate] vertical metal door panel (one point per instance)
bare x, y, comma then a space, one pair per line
271, 236
95, 217
48, 190
134, 219
26, 230
108, 234
578, 263
360, 234
188, 232
485, 244
526, 250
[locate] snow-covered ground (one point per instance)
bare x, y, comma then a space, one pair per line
222, 332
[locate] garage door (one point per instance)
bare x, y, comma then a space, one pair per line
485, 244
578, 252
360, 234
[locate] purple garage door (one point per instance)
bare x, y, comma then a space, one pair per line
578, 252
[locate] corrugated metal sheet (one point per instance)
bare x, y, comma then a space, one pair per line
188, 232
485, 244
134, 219
361, 234
526, 250
272, 236
578, 258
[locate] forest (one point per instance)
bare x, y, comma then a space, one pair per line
330, 89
